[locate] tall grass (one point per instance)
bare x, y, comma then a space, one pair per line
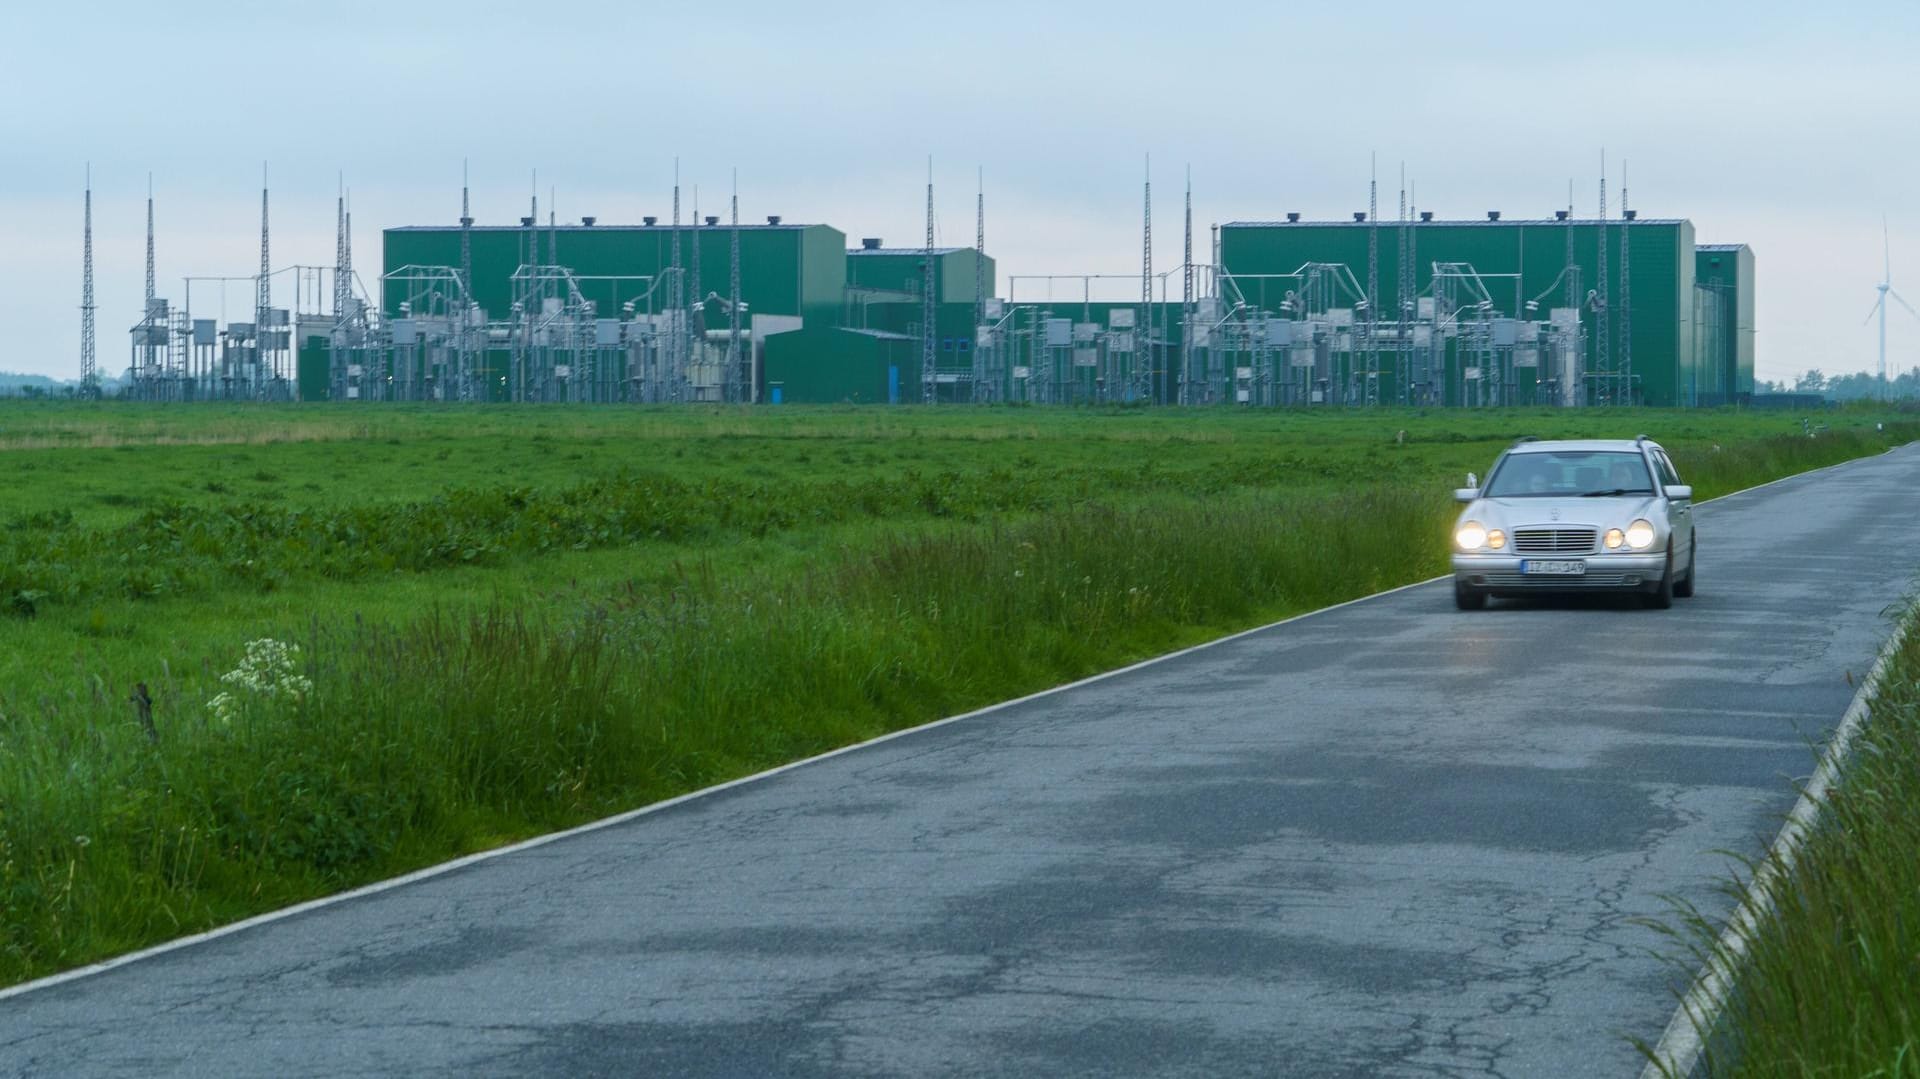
455, 731
1829, 981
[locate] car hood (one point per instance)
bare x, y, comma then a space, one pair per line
1600, 513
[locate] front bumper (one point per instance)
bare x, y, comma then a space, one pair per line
1501, 573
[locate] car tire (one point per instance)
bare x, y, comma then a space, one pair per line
1661, 597
1468, 598
1684, 589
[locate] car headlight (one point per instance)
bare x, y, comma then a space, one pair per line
1640, 535
1496, 539
1615, 538
1471, 536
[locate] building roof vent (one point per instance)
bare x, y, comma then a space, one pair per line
1630, 214
1294, 217
1493, 215
650, 221
588, 221
466, 221
1560, 215
773, 219
1426, 215
870, 243
712, 220
526, 222
1359, 215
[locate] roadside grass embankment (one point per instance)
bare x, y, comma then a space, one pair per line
1826, 980
473, 722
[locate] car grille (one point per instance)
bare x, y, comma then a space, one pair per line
1553, 540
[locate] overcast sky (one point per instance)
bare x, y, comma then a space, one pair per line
1787, 127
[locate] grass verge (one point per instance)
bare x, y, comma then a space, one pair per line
1826, 982
396, 743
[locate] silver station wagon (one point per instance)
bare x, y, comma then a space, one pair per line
1575, 516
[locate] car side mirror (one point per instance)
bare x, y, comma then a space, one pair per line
1679, 492
1465, 494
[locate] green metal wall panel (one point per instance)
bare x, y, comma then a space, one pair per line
784, 270
835, 366
1519, 260
1728, 270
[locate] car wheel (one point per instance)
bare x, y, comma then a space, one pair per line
1662, 595
1468, 598
1684, 589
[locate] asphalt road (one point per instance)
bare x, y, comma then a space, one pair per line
1388, 839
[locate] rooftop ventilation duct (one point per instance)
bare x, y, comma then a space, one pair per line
871, 243
588, 221
1359, 215
650, 221
712, 220
1426, 215
773, 219
1293, 217
526, 222
1630, 214
1493, 215
1560, 215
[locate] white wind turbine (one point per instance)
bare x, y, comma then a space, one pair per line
1880, 305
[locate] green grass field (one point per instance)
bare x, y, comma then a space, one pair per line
510, 621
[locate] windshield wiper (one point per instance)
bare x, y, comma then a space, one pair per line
1617, 491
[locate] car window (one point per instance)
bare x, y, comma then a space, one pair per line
1569, 474
1667, 474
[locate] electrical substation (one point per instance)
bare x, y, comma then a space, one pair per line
1555, 309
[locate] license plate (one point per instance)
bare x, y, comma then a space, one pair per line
1534, 567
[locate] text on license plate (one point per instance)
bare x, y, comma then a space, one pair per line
1534, 567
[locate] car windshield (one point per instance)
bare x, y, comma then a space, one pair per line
1569, 474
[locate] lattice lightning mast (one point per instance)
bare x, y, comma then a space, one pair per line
741, 391
980, 284
1143, 330
1373, 281
1626, 290
929, 375
89, 364
263, 288
1603, 343
150, 289
1186, 301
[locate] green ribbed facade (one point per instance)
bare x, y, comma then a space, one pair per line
1520, 261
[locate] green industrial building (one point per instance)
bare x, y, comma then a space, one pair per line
830, 324
1523, 265
1723, 276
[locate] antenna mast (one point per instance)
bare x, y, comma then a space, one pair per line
1373, 280
1186, 301
466, 236
263, 291
1603, 342
929, 375
980, 284
677, 297
740, 392
1143, 330
1626, 291
149, 241
1403, 299
89, 369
